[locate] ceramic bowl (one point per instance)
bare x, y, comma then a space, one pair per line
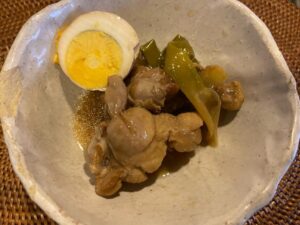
223, 185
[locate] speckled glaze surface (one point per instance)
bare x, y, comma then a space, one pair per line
222, 185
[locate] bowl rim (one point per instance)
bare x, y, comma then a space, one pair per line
36, 192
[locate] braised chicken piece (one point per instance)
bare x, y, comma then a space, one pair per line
136, 128
115, 95
96, 151
103, 166
187, 135
165, 122
182, 132
135, 142
231, 95
150, 87
109, 183
108, 173
111, 161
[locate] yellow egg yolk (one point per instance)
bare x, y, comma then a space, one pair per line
91, 57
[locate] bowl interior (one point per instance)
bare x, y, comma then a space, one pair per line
217, 185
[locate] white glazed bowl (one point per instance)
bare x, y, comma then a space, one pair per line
224, 185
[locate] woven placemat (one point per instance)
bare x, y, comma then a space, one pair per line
282, 18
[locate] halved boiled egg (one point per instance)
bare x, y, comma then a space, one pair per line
95, 46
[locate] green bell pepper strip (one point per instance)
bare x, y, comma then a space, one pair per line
140, 60
151, 53
183, 44
179, 65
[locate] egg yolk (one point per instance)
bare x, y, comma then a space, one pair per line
91, 57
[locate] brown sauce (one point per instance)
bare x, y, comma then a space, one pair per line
90, 111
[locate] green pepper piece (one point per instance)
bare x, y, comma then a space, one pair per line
206, 101
183, 44
151, 53
213, 75
140, 60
